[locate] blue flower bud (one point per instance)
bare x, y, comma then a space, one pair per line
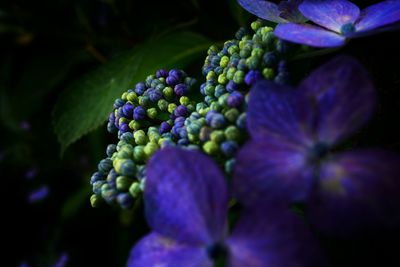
181, 111
128, 138
154, 95
229, 148
97, 187
111, 127
252, 77
235, 99
139, 113
97, 176
217, 121
105, 165
140, 88
161, 73
183, 142
125, 200
165, 127
127, 110
119, 103
181, 89
270, 59
124, 127
126, 168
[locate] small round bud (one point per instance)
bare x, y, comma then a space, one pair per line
135, 125
138, 154
152, 113
217, 136
135, 190
105, 165
232, 133
239, 77
140, 88
95, 201
210, 148
140, 137
123, 183
181, 89
171, 108
111, 149
150, 148
124, 200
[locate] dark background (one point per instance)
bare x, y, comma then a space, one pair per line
47, 45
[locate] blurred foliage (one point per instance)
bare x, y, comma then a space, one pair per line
60, 57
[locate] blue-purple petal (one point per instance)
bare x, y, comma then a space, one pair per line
155, 250
272, 114
263, 9
378, 15
268, 171
337, 98
309, 35
186, 196
274, 238
330, 14
358, 193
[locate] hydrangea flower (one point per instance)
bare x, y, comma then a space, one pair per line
290, 156
285, 11
338, 21
186, 205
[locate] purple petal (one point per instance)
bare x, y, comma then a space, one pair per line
185, 196
272, 113
358, 192
378, 15
308, 35
155, 250
330, 14
273, 238
338, 98
268, 171
262, 9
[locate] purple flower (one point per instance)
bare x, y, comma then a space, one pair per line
186, 205
290, 158
339, 20
285, 11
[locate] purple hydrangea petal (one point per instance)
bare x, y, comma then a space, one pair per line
378, 15
337, 98
309, 35
186, 196
290, 11
263, 9
272, 113
268, 171
155, 250
273, 237
357, 191
330, 14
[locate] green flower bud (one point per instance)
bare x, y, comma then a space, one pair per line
256, 25
168, 93
154, 136
125, 167
138, 154
125, 152
212, 50
191, 108
268, 73
123, 183
211, 76
209, 89
230, 73
232, 133
203, 112
140, 137
224, 61
134, 125
222, 79
123, 97
123, 120
193, 138
135, 189
144, 101
222, 100
132, 96
245, 52
234, 49
211, 148
257, 52
150, 148
162, 104
184, 100
239, 77
231, 114
171, 107
252, 62
95, 201
152, 113
217, 136
215, 106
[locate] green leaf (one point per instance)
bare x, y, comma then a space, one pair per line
86, 104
